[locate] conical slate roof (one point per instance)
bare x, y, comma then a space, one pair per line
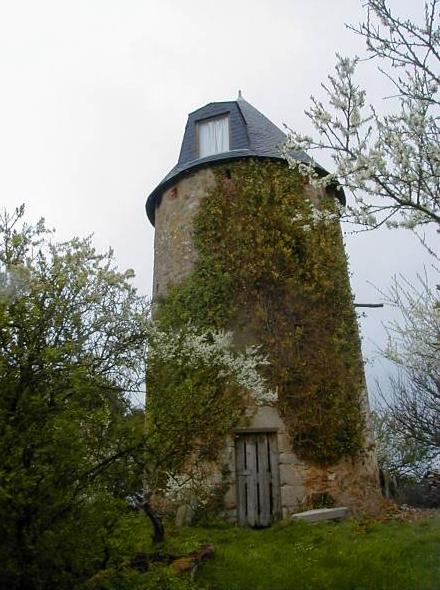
251, 135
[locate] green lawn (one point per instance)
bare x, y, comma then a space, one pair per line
354, 555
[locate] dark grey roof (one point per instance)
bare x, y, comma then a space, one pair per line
251, 135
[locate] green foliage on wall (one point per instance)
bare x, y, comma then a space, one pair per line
272, 268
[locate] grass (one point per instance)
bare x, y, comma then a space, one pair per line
354, 555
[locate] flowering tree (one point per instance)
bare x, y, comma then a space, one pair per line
74, 336
413, 412
397, 454
198, 387
390, 163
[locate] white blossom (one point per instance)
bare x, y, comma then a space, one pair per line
390, 163
194, 487
191, 348
314, 217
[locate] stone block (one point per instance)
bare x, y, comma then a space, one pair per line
289, 475
322, 514
184, 515
230, 498
288, 458
266, 417
291, 497
284, 443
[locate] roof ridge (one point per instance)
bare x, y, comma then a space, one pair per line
208, 104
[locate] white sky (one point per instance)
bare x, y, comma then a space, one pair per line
95, 95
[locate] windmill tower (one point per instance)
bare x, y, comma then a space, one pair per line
277, 248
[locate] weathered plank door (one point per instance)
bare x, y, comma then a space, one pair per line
258, 480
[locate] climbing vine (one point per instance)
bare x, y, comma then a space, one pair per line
271, 267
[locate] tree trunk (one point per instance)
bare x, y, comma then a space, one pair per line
156, 521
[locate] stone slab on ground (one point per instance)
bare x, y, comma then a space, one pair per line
322, 514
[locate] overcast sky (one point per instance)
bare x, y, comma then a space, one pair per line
95, 95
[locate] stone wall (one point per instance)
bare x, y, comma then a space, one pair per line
174, 253
352, 482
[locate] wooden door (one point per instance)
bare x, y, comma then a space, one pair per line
258, 480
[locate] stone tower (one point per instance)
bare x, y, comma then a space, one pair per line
277, 244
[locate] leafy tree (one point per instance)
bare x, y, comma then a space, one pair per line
72, 347
75, 453
389, 162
